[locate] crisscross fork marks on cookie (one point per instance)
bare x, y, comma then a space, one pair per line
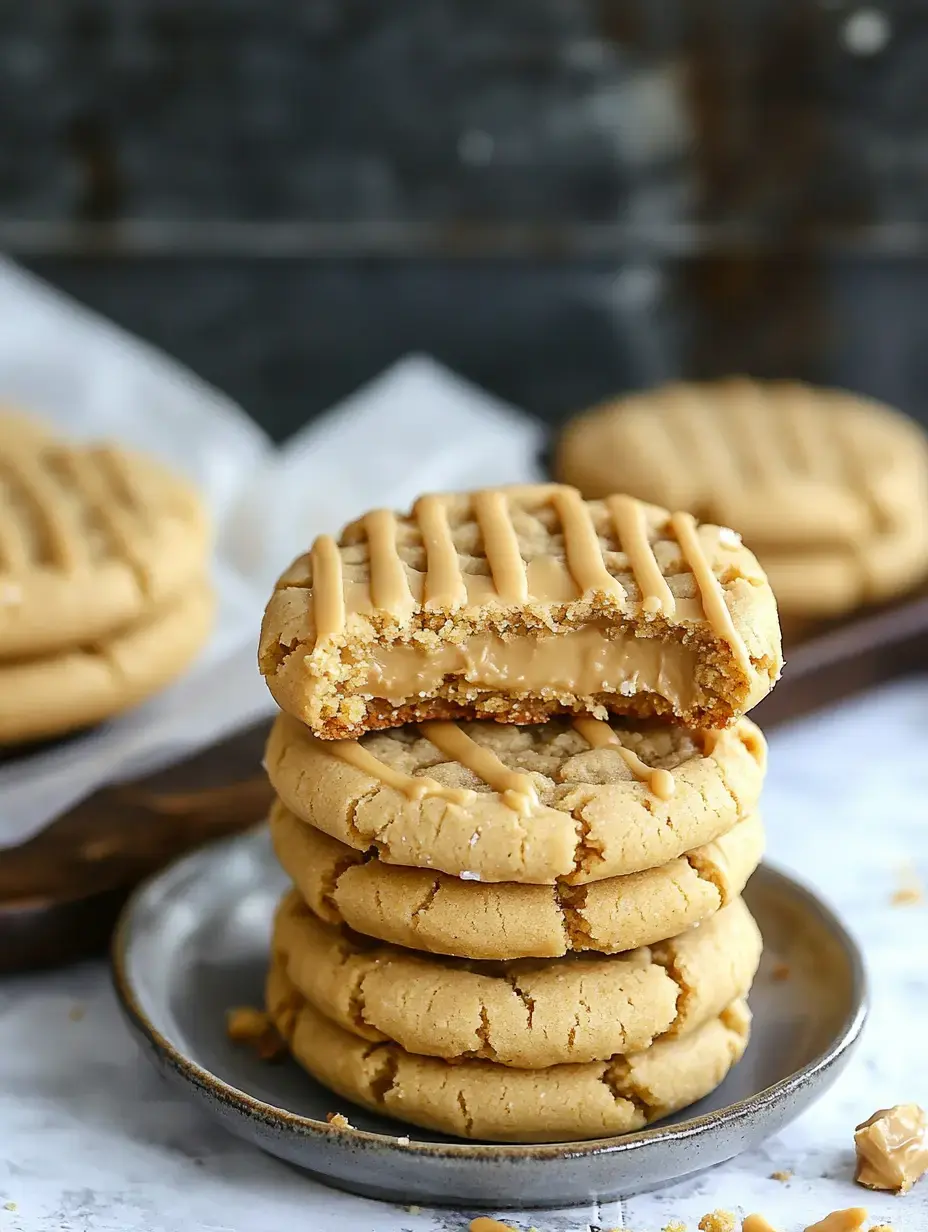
515, 604
37, 529
584, 551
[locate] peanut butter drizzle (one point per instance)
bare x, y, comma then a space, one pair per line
599, 735
328, 588
708, 740
444, 581
516, 789
507, 568
628, 518
710, 588
581, 546
413, 786
389, 584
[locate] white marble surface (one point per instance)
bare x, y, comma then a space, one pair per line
91, 1139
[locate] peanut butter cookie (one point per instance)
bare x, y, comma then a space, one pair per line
569, 800
58, 693
528, 1014
435, 912
93, 539
517, 604
483, 1100
828, 488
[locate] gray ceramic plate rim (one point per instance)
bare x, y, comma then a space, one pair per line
305, 1126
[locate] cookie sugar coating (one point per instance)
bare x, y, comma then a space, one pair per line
440, 914
482, 1100
828, 488
516, 604
528, 1014
92, 539
568, 800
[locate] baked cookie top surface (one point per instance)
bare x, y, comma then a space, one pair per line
431, 911
575, 800
92, 538
528, 593
530, 1013
801, 472
482, 1100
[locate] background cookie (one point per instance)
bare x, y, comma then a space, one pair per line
92, 539
529, 1014
59, 693
516, 604
828, 488
481, 1100
435, 912
581, 813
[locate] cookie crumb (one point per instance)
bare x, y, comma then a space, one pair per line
718, 1221
404, 1141
756, 1223
910, 890
892, 1148
9, 1206
255, 1029
413, 1210
850, 1219
908, 896
780, 972
781, 1174
675, 1225
76, 1013
337, 1121
484, 1224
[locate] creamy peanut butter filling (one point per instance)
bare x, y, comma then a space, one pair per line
892, 1148
583, 662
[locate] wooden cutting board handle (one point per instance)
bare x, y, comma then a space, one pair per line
60, 892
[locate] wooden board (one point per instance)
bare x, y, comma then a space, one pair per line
60, 892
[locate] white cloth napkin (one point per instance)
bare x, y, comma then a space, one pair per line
418, 427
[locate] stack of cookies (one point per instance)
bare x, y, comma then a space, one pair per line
517, 799
104, 596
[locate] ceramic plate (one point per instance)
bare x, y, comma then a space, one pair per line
194, 940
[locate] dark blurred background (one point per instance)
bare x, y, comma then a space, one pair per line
558, 198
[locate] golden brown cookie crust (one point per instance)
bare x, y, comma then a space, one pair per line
440, 914
93, 538
593, 819
52, 695
830, 489
517, 604
528, 1014
482, 1100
